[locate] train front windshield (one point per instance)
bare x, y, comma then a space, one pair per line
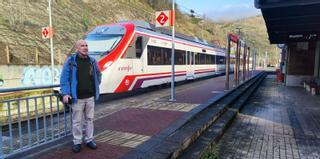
103, 39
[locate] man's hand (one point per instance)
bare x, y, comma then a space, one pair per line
66, 98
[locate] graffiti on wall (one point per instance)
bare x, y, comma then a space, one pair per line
35, 76
1, 80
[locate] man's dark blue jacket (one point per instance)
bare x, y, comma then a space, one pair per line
69, 79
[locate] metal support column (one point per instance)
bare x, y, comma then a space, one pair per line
253, 61
237, 64
248, 63
244, 64
227, 64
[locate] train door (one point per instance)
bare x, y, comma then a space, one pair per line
190, 65
138, 60
133, 59
220, 64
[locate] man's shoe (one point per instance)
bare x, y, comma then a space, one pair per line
92, 145
76, 148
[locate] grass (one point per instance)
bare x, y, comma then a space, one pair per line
210, 153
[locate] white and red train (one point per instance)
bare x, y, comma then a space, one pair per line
132, 55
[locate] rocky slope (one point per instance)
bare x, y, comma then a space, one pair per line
21, 22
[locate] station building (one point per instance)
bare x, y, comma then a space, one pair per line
295, 27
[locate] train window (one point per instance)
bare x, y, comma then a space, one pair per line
139, 47
220, 60
213, 57
217, 60
154, 55
208, 59
180, 57
188, 58
101, 45
197, 58
202, 59
135, 49
162, 56
167, 56
192, 58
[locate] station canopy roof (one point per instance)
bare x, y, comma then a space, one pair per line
291, 20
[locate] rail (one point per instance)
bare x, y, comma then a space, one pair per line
31, 121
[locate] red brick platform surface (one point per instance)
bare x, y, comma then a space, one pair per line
104, 151
139, 121
203, 92
133, 120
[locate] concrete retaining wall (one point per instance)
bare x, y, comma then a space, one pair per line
12, 76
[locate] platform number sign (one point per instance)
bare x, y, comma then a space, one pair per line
164, 18
46, 32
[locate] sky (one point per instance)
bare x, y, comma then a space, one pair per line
220, 10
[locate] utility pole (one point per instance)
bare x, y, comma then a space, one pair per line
51, 42
173, 98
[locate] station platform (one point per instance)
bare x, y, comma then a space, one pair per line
123, 125
277, 122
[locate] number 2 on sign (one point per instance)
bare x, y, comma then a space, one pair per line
162, 19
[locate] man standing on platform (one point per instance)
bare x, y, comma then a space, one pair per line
79, 83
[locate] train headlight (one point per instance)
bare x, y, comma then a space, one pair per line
108, 64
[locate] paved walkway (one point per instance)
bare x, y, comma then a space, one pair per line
122, 125
277, 122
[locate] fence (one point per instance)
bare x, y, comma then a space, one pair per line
32, 57
29, 122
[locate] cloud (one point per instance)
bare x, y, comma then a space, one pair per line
230, 12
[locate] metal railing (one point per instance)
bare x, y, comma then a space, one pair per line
31, 121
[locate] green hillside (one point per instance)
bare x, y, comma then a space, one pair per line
21, 22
